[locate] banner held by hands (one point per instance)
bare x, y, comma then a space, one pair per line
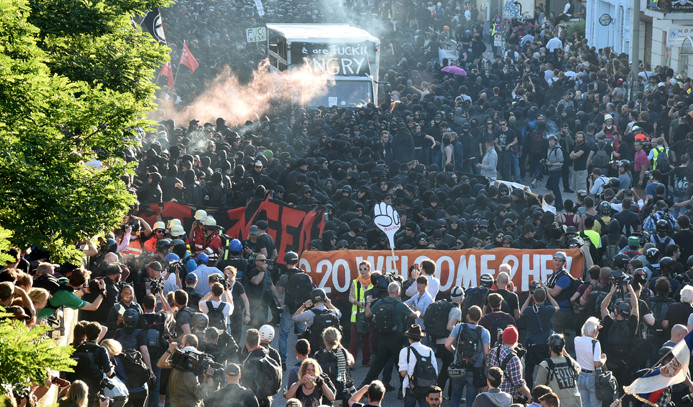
386, 219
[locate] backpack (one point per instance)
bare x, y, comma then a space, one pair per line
86, 369
504, 363
436, 319
663, 164
269, 379
128, 340
154, 336
610, 252
475, 296
216, 316
51, 283
324, 318
567, 292
329, 363
424, 375
468, 346
659, 307
497, 326
600, 158
605, 383
135, 368
563, 381
619, 337
298, 288
384, 320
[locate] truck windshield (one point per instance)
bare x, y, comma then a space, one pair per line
345, 94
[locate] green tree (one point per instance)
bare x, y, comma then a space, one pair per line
75, 86
29, 354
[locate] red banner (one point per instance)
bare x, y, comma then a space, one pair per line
167, 71
335, 270
291, 228
187, 58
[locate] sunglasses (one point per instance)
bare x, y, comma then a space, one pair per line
261, 260
159, 231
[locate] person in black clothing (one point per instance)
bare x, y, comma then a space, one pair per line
99, 358
233, 394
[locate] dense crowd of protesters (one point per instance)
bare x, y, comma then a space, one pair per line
181, 316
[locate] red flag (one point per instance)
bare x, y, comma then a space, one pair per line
167, 71
187, 58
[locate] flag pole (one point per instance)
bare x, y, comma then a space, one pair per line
175, 77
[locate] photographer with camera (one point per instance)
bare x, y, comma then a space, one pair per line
537, 316
109, 277
67, 296
92, 361
188, 366
161, 280
618, 331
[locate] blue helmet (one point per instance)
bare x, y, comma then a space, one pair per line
235, 246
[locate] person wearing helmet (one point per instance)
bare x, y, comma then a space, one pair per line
661, 213
296, 286
318, 314
667, 268
235, 259
202, 272
158, 233
560, 373
619, 331
652, 255
209, 241
197, 230
660, 238
266, 338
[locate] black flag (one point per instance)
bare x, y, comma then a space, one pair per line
153, 24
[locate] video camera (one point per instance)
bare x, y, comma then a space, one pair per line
197, 363
620, 278
156, 286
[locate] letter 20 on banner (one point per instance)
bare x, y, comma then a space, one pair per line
335, 270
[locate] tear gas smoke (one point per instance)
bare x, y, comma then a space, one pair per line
226, 97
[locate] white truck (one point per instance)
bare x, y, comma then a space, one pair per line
351, 55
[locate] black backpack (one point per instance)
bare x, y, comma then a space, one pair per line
436, 319
384, 320
324, 318
619, 337
135, 368
600, 158
216, 316
564, 381
154, 335
659, 307
87, 368
329, 363
497, 326
424, 375
475, 296
298, 288
127, 339
468, 347
269, 377
567, 292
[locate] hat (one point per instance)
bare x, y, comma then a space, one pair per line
262, 224
233, 369
200, 214
155, 265
510, 335
159, 225
553, 137
633, 241
608, 117
252, 230
209, 221
191, 278
560, 255
177, 230
202, 258
360, 241
130, 317
415, 332
457, 293
171, 257
258, 163
486, 279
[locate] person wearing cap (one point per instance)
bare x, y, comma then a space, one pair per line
233, 394
158, 233
505, 357
202, 272
619, 332
193, 296
409, 356
265, 242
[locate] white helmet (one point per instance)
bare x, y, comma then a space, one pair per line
200, 214
266, 333
159, 225
173, 222
177, 230
209, 221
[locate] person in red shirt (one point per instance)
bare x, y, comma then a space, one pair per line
197, 231
158, 233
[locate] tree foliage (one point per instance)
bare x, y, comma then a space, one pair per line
29, 354
75, 86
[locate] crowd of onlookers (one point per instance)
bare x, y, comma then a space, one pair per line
180, 314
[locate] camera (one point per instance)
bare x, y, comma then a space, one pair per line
533, 286
620, 278
96, 285
156, 286
197, 363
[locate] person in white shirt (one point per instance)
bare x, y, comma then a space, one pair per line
429, 270
421, 300
407, 363
554, 43
588, 353
217, 298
